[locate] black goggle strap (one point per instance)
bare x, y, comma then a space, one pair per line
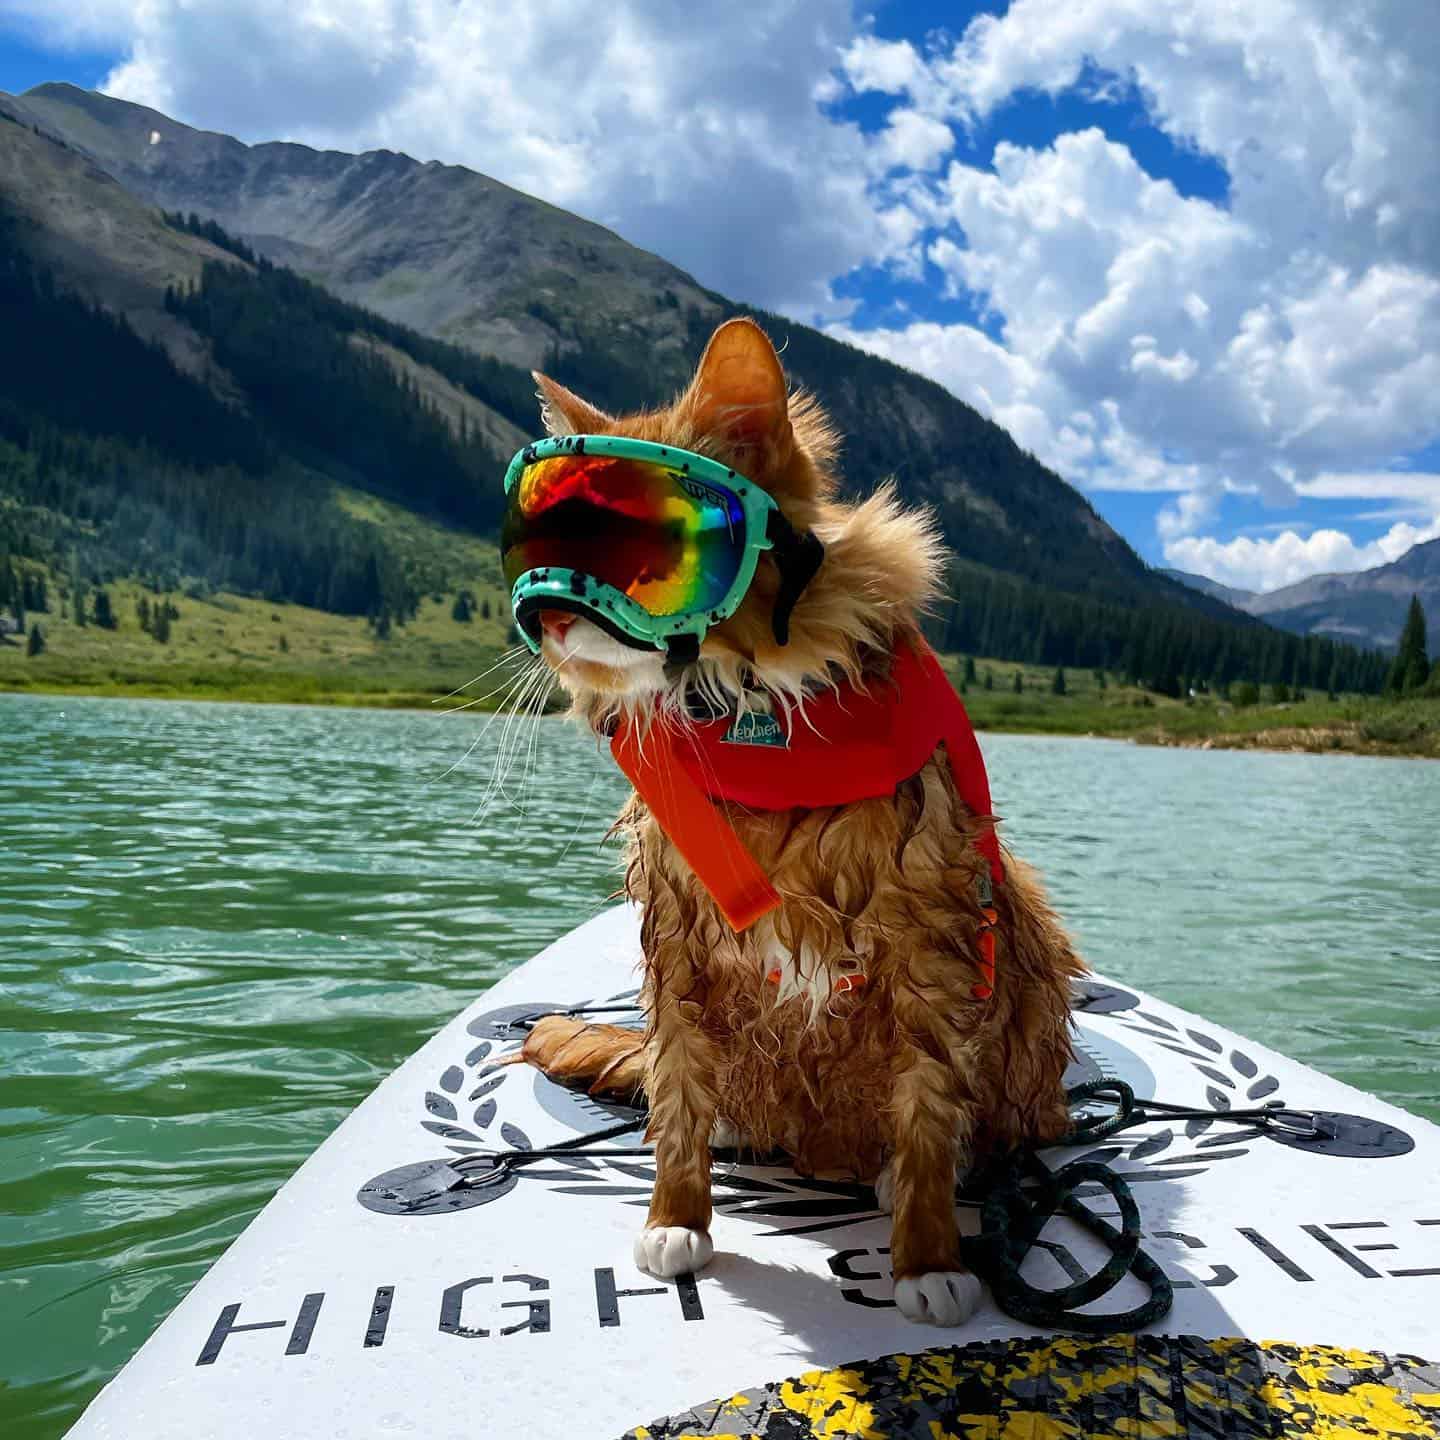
799, 556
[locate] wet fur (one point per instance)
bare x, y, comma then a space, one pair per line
910, 1071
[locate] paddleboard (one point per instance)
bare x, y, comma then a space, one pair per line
1306, 1268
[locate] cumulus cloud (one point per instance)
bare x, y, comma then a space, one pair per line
1257, 343
1268, 564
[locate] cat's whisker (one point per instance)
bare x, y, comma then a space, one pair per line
478, 700
584, 816
506, 716
537, 713
504, 656
536, 676
511, 685
502, 745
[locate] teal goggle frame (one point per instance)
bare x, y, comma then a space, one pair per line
677, 633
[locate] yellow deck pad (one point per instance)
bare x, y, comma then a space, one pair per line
1127, 1387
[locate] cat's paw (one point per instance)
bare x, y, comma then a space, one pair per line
666, 1251
885, 1190
943, 1297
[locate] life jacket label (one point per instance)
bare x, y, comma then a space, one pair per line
754, 728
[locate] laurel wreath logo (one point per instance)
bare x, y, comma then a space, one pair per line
767, 1190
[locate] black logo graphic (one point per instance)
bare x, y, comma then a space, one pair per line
463, 1110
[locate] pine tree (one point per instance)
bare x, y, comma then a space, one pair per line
1412, 664
284, 644
104, 614
1019, 683
969, 670
1057, 684
1100, 680
142, 613
160, 625
463, 607
1417, 670
485, 609
36, 643
32, 591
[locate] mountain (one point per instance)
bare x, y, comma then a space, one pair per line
173, 405
466, 259
1362, 607
340, 394
1240, 599
438, 247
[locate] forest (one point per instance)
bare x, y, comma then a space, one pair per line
114, 462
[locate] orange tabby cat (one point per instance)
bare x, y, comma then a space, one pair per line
899, 1080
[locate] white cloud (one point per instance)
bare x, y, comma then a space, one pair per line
1288, 557
889, 66
1257, 344
1187, 513
914, 141
1423, 486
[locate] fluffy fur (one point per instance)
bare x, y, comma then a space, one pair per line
909, 1073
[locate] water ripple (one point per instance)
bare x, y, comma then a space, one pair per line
224, 925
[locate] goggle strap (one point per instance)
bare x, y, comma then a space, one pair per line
799, 557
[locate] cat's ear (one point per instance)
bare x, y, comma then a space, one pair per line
739, 393
563, 412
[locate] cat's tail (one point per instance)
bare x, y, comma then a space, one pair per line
606, 1060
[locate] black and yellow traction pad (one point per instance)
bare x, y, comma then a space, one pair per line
1127, 1386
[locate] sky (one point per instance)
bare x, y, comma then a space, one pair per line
1188, 254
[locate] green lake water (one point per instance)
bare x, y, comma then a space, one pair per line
222, 925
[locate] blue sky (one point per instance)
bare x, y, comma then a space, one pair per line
1189, 255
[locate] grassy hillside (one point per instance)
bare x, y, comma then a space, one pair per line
236, 647
1355, 724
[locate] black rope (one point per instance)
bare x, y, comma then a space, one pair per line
1020, 1196
500, 1162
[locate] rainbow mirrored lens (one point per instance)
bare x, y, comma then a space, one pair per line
672, 543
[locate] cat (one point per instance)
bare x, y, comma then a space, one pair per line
749, 1039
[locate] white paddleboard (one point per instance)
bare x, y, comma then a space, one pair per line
516, 1309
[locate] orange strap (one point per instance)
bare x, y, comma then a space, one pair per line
696, 828
984, 988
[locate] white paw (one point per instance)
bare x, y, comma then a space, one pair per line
666, 1251
724, 1136
943, 1297
885, 1189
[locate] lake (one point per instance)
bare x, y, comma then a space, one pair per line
222, 925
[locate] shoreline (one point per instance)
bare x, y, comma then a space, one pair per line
1212, 727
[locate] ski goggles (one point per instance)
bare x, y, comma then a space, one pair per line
651, 543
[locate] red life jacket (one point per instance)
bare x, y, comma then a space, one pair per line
848, 745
